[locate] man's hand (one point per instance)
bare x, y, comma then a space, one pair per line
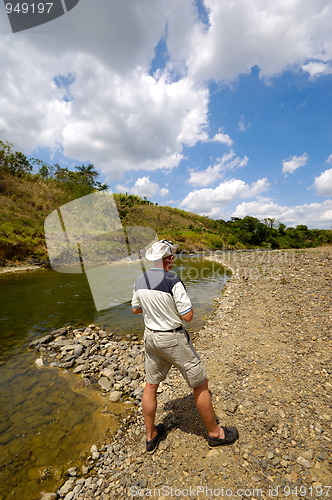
188, 316
136, 310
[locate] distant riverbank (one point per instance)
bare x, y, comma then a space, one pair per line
19, 268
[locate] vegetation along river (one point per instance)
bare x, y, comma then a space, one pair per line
45, 425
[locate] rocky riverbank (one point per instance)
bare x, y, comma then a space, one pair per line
267, 352
17, 267
117, 366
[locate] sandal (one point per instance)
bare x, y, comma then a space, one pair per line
152, 445
231, 435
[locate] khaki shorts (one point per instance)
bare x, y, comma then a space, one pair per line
164, 349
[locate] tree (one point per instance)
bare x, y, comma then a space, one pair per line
15, 163
101, 187
87, 174
281, 228
270, 222
45, 171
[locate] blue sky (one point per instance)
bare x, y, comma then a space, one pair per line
220, 108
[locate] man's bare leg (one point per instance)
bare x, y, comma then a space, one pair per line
204, 406
149, 406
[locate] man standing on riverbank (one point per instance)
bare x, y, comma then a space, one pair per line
163, 300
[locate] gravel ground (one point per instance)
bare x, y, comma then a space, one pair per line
267, 352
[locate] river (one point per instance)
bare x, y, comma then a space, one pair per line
45, 425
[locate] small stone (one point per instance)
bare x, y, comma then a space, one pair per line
304, 462
69, 496
247, 403
81, 384
108, 373
138, 393
78, 350
115, 396
232, 407
66, 487
43, 340
308, 454
93, 448
133, 374
105, 383
212, 453
72, 471
77, 488
269, 455
81, 368
39, 362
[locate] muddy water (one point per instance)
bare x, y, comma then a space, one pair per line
45, 425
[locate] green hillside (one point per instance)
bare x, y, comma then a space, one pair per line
30, 190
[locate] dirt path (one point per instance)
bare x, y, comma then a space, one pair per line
267, 352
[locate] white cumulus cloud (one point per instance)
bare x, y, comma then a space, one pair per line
210, 201
142, 123
212, 173
120, 115
222, 138
314, 215
239, 35
289, 166
143, 187
323, 183
205, 177
316, 69
164, 192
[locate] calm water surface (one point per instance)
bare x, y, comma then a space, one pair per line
46, 426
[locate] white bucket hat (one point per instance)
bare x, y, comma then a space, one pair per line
160, 250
